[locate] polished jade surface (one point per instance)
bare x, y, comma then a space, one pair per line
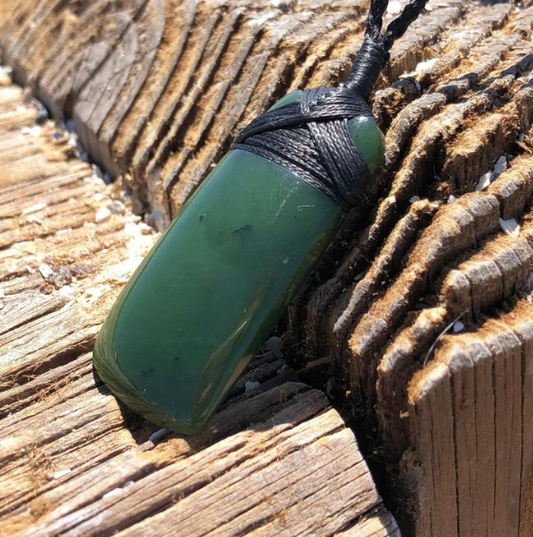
369, 139
212, 289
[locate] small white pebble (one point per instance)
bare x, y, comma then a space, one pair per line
33, 219
424, 66
93, 291
484, 181
394, 7
2, 305
114, 492
98, 196
66, 290
259, 22
34, 208
451, 198
458, 327
413, 199
251, 386
61, 473
35, 131
128, 484
429, 7
154, 437
72, 140
510, 227
102, 214
500, 166
46, 271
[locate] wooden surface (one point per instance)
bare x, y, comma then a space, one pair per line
158, 89
276, 460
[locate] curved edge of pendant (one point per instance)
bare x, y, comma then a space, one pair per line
129, 395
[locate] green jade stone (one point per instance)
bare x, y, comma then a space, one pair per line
215, 285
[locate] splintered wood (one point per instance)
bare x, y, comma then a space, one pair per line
157, 90
277, 460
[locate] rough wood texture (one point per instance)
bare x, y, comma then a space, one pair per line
276, 460
158, 89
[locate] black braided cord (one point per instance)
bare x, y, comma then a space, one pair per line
311, 138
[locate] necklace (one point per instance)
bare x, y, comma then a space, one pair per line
217, 282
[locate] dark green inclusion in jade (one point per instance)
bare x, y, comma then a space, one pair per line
214, 286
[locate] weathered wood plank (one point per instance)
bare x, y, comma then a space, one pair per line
487, 402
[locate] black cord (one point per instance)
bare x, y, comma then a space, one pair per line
311, 137
374, 52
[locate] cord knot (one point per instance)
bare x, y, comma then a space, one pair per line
368, 64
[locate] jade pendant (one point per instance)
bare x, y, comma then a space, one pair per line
215, 285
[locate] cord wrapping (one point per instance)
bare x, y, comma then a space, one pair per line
311, 138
